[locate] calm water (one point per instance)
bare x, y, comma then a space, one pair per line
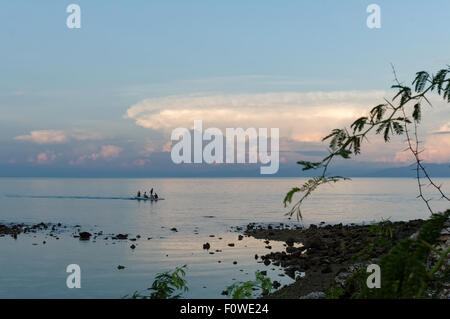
206, 206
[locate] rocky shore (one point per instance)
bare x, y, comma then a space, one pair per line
55, 230
14, 230
318, 256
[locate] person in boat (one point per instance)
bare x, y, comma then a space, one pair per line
156, 196
145, 195
138, 194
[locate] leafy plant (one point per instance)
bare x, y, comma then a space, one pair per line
398, 116
334, 292
244, 290
404, 269
383, 239
383, 229
167, 285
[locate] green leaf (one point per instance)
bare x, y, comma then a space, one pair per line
420, 81
417, 113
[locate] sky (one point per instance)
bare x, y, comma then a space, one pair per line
104, 98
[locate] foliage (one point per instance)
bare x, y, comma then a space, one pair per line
167, 285
383, 229
404, 271
334, 292
244, 290
386, 119
383, 239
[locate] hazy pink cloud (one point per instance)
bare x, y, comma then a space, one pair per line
444, 129
141, 162
44, 137
57, 136
167, 147
46, 157
106, 152
300, 116
435, 148
110, 151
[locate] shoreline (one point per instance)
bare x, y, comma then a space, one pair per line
315, 257
318, 257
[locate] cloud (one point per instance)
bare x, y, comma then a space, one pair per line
110, 151
44, 137
435, 148
141, 162
444, 129
46, 157
167, 147
57, 136
106, 152
303, 119
300, 116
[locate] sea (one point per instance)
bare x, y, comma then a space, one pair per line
172, 231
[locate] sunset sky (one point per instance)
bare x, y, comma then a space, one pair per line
107, 96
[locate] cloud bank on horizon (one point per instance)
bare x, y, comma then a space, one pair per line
303, 119
109, 94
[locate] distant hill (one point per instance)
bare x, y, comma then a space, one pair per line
344, 168
434, 170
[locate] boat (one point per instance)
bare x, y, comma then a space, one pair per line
147, 199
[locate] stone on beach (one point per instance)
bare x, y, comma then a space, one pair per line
85, 235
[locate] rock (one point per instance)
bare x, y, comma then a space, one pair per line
290, 249
120, 267
132, 246
122, 236
206, 246
290, 242
314, 295
231, 244
290, 271
342, 277
267, 262
276, 284
240, 237
174, 229
313, 242
85, 235
326, 270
